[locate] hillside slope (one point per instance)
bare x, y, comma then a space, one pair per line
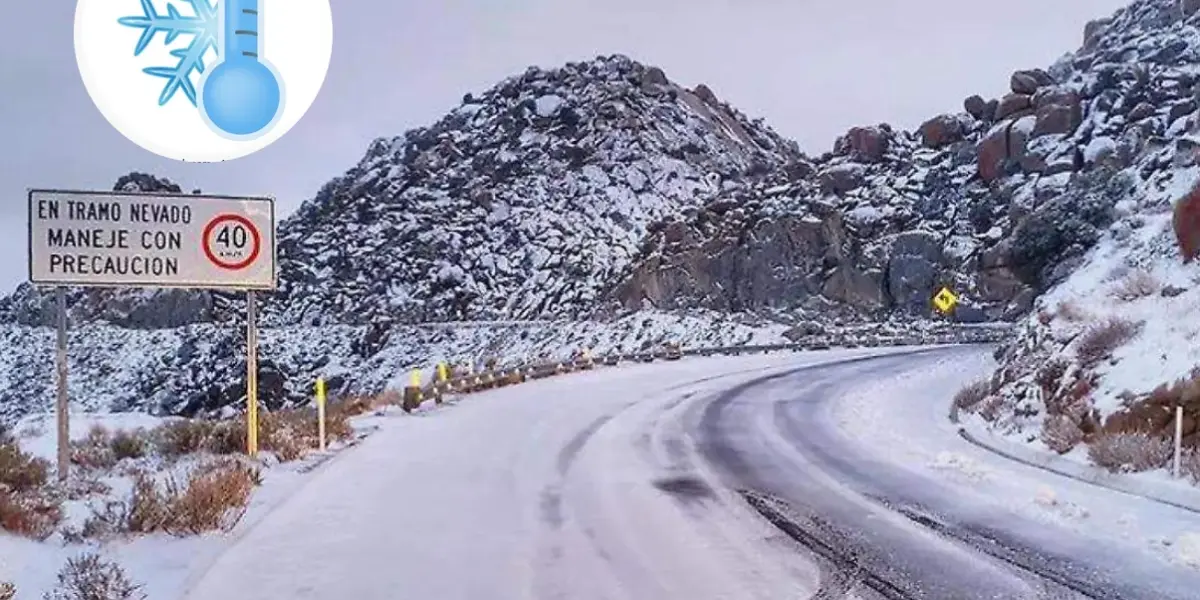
577, 193
1097, 363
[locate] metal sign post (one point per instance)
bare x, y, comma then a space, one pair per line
135, 239
61, 405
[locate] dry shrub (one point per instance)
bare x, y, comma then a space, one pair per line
89, 577
214, 498
183, 437
1044, 317
129, 444
1183, 391
1136, 284
990, 408
1061, 434
94, 451
7, 591
972, 394
227, 437
290, 434
20, 471
1078, 394
147, 510
1129, 452
390, 398
84, 485
1070, 311
287, 434
103, 524
1098, 342
33, 514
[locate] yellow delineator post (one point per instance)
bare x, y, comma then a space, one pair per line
442, 377
251, 375
321, 411
412, 393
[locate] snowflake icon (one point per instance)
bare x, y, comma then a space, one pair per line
202, 28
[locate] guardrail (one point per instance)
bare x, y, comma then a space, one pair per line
466, 383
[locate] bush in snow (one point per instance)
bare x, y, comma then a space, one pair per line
1129, 452
7, 591
93, 451
214, 498
89, 577
972, 394
1070, 311
28, 506
1061, 434
1099, 342
183, 437
20, 471
129, 444
102, 449
1136, 284
33, 514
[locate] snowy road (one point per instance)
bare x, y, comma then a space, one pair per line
652, 481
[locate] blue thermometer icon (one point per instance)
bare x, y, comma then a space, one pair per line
241, 96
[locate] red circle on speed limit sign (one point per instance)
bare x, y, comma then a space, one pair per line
231, 242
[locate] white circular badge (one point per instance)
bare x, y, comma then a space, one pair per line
203, 80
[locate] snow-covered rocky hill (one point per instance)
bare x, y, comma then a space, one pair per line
581, 193
1108, 352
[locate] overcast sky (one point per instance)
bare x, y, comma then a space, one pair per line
812, 68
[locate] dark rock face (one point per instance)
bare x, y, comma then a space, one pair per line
998, 203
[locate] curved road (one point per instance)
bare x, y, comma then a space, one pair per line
888, 531
733, 478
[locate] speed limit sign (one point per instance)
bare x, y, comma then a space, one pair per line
232, 242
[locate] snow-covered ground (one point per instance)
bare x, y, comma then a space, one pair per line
159, 562
587, 486
1134, 277
901, 420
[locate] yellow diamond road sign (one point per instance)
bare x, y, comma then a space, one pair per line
945, 300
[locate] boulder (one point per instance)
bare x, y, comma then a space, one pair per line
864, 144
706, 94
1028, 81
1143, 110
654, 79
854, 287
941, 131
912, 269
840, 179
1058, 112
977, 107
1012, 104
1180, 110
1004, 142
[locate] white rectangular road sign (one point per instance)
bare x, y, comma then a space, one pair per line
151, 240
